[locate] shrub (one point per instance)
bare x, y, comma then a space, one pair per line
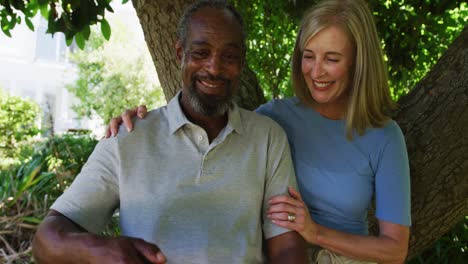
28, 190
18, 126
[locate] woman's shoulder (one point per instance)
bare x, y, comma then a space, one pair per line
390, 131
279, 106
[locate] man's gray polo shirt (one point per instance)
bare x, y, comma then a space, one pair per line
199, 202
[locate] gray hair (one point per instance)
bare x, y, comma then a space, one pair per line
182, 28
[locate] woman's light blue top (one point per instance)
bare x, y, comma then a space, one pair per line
337, 177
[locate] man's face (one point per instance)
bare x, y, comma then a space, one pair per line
211, 61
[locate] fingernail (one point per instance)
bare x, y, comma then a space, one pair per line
160, 256
113, 134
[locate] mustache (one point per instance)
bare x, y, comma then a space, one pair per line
210, 77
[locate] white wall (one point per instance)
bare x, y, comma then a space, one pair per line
34, 65
25, 72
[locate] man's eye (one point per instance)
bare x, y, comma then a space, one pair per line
199, 54
333, 60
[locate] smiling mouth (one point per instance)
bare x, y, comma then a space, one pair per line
322, 84
212, 84
212, 87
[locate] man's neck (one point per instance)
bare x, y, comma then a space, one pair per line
211, 124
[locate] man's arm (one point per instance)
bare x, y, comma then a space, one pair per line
60, 240
283, 246
288, 247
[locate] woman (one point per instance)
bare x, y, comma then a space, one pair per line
345, 147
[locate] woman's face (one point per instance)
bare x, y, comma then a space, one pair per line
327, 62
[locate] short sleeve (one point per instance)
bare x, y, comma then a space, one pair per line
392, 180
92, 198
280, 175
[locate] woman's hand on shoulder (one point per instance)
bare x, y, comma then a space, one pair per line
291, 212
126, 118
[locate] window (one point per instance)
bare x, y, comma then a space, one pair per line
50, 48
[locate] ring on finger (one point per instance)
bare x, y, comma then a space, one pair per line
291, 217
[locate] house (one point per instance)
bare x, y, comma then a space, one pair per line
35, 65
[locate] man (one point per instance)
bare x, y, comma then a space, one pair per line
192, 181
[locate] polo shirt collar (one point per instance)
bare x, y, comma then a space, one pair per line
235, 120
177, 118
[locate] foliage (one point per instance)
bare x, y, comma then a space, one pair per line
452, 248
271, 36
113, 75
28, 190
18, 125
59, 158
73, 18
415, 34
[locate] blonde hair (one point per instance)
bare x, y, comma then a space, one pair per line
369, 96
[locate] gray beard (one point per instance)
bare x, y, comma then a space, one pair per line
209, 105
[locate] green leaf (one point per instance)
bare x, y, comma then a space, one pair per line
43, 2
68, 38
105, 29
109, 8
18, 5
13, 21
29, 23
44, 10
33, 220
80, 41
124, 1
6, 31
86, 32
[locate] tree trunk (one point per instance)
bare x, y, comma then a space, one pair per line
159, 21
433, 117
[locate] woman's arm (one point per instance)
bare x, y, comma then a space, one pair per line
391, 246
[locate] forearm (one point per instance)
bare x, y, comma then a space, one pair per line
289, 247
381, 249
59, 240
290, 256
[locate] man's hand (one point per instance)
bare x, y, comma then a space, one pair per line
60, 240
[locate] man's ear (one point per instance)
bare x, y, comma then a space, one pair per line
179, 51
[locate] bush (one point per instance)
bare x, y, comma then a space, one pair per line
18, 126
28, 190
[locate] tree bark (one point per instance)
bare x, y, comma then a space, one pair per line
433, 117
159, 21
